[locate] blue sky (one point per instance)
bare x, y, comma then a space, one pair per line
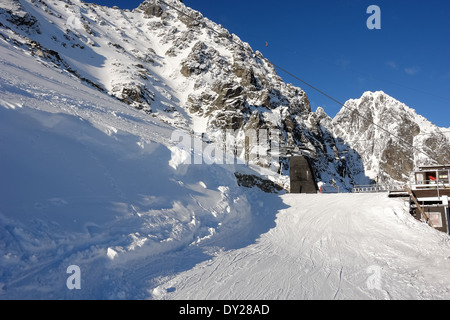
327, 44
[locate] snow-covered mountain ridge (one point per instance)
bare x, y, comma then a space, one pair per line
171, 62
391, 138
189, 73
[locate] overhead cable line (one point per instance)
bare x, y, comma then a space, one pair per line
356, 112
304, 82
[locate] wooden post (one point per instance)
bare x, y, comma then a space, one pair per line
247, 149
422, 212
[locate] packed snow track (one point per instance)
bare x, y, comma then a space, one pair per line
343, 246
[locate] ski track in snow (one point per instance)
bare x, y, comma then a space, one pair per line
328, 247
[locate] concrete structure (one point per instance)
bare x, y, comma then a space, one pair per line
302, 176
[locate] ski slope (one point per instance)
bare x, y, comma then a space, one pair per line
86, 180
342, 246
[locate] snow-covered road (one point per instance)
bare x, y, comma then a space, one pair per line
343, 246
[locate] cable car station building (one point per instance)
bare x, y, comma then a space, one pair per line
430, 192
302, 176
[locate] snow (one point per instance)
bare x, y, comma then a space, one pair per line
199, 124
327, 247
74, 191
88, 181
421, 141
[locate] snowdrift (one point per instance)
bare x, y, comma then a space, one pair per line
89, 181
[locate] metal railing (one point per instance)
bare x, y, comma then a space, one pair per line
378, 188
435, 185
370, 188
329, 189
431, 184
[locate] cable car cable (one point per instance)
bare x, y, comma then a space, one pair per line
306, 83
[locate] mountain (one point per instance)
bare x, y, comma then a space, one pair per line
174, 64
390, 137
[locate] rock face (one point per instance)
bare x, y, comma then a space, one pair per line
171, 62
250, 181
391, 157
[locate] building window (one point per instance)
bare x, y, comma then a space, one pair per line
435, 219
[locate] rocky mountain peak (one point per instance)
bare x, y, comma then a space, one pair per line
391, 138
173, 63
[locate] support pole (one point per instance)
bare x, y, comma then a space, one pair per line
422, 212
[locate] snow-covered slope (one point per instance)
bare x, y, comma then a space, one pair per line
153, 58
334, 247
87, 181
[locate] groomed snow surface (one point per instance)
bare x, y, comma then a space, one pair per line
342, 246
88, 181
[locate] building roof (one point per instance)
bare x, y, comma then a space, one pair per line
435, 167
